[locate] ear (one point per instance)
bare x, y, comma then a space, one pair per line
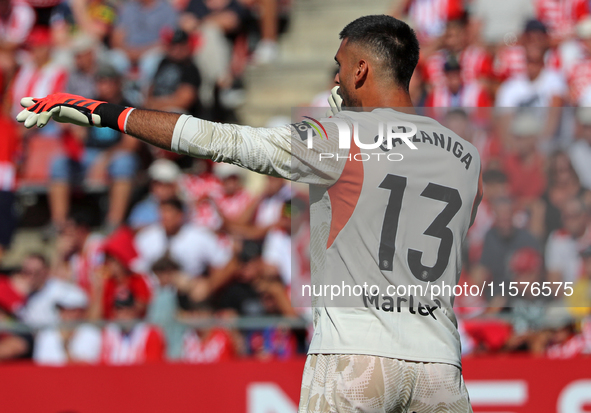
361, 73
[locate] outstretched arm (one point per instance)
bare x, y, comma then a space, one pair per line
270, 151
153, 127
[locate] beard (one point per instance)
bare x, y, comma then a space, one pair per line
348, 100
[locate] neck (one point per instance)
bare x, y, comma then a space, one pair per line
172, 231
396, 98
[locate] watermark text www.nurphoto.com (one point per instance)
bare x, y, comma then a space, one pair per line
434, 291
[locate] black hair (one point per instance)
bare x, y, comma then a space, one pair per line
390, 39
457, 112
175, 203
165, 263
81, 218
494, 176
251, 249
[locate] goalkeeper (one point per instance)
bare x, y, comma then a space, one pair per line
362, 358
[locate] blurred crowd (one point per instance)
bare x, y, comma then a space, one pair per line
197, 246
171, 238
178, 242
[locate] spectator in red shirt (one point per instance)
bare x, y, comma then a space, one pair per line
206, 345
456, 93
524, 165
428, 16
118, 280
127, 343
41, 75
561, 16
16, 21
231, 202
14, 290
475, 62
9, 148
79, 251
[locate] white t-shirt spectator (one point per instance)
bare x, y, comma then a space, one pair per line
269, 210
562, 254
277, 252
40, 309
193, 247
520, 91
84, 346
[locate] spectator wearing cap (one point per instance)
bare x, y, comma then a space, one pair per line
40, 75
127, 341
82, 79
79, 254
69, 343
104, 149
563, 260
136, 38
580, 150
454, 93
164, 176
117, 279
175, 86
195, 248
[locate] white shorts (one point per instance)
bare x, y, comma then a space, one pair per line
347, 383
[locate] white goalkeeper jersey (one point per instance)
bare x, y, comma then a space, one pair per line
389, 217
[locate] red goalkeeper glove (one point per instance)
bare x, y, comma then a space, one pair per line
66, 108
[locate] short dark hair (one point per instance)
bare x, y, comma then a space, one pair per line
494, 176
175, 203
390, 39
81, 218
164, 264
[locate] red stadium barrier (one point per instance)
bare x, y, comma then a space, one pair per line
496, 384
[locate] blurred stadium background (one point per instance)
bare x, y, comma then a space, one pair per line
133, 279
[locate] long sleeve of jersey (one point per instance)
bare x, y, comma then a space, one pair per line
280, 151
